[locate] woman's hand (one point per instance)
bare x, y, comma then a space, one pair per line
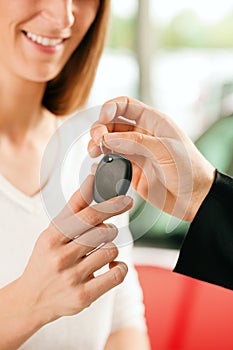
59, 277
168, 170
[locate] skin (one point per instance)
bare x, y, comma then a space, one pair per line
168, 170
27, 303
53, 19
24, 70
60, 259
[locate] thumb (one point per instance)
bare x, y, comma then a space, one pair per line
80, 199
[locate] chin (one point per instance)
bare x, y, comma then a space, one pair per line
43, 79
41, 73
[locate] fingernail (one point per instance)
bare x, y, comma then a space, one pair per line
111, 226
127, 200
123, 268
121, 202
108, 112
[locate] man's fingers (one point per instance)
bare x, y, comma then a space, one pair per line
132, 109
94, 149
118, 124
98, 129
146, 118
134, 143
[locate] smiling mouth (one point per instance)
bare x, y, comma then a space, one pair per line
44, 41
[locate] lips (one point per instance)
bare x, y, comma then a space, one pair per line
43, 40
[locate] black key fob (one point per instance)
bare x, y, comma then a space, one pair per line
112, 177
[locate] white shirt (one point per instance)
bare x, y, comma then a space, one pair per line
22, 220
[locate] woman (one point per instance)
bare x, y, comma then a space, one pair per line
49, 54
170, 173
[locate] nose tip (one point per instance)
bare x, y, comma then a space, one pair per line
60, 12
67, 21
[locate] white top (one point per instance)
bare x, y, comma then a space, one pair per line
22, 220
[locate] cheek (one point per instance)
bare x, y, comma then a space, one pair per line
85, 15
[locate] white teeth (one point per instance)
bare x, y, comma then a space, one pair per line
43, 40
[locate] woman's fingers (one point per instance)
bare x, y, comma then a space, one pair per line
95, 261
79, 200
92, 239
94, 215
74, 251
96, 287
75, 225
101, 284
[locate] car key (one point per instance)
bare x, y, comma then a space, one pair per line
112, 177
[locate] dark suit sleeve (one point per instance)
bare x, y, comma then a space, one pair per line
207, 250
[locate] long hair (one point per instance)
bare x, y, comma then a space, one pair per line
71, 88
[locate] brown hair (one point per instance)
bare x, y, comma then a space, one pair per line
70, 89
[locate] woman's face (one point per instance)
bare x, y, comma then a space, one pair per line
37, 37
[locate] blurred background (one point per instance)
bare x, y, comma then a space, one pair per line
177, 56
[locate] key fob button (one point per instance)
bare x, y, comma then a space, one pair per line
113, 177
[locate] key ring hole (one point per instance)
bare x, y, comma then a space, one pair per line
109, 159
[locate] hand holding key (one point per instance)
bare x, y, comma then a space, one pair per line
168, 170
59, 278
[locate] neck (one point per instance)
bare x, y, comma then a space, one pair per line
21, 111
